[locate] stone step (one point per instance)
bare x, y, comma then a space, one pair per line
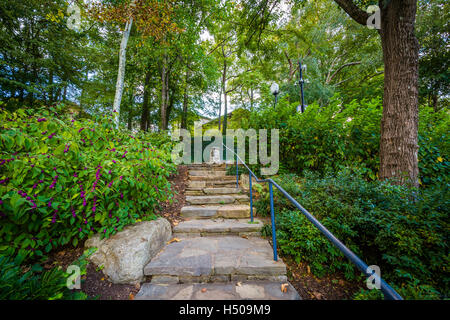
214, 227
195, 191
207, 173
205, 165
231, 211
224, 179
220, 199
216, 259
249, 290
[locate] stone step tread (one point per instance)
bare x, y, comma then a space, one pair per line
216, 179
216, 256
217, 211
222, 199
218, 225
197, 191
249, 290
214, 173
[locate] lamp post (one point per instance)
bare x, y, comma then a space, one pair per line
300, 82
275, 89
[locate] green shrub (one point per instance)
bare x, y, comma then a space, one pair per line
63, 179
36, 284
337, 136
403, 231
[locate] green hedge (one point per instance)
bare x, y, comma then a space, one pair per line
63, 179
340, 136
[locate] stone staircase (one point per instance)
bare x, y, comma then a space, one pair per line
219, 254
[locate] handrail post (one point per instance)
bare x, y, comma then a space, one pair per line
272, 216
237, 173
251, 197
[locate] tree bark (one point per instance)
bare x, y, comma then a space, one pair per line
145, 109
121, 72
130, 111
399, 124
185, 101
224, 83
164, 92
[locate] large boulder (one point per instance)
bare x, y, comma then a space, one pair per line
124, 255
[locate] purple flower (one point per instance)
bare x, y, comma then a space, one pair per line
41, 119
114, 161
67, 148
79, 229
110, 184
75, 175
43, 133
51, 135
80, 130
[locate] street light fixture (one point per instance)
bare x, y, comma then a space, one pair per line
300, 82
275, 89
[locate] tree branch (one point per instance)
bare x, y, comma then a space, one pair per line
353, 11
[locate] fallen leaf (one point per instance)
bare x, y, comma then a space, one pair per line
131, 297
317, 295
102, 279
284, 287
309, 269
239, 284
137, 285
244, 236
174, 240
204, 290
175, 223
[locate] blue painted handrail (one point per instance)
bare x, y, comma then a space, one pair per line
388, 291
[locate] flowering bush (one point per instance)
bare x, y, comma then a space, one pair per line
63, 179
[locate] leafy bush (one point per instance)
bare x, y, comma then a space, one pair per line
63, 179
327, 139
34, 284
403, 231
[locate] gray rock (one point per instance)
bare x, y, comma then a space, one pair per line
124, 255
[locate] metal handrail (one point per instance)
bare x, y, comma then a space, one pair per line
387, 290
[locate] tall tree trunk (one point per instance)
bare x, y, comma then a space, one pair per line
130, 111
164, 90
145, 110
185, 101
224, 83
51, 96
399, 142
220, 105
434, 98
121, 72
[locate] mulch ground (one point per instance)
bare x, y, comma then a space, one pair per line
95, 283
310, 287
